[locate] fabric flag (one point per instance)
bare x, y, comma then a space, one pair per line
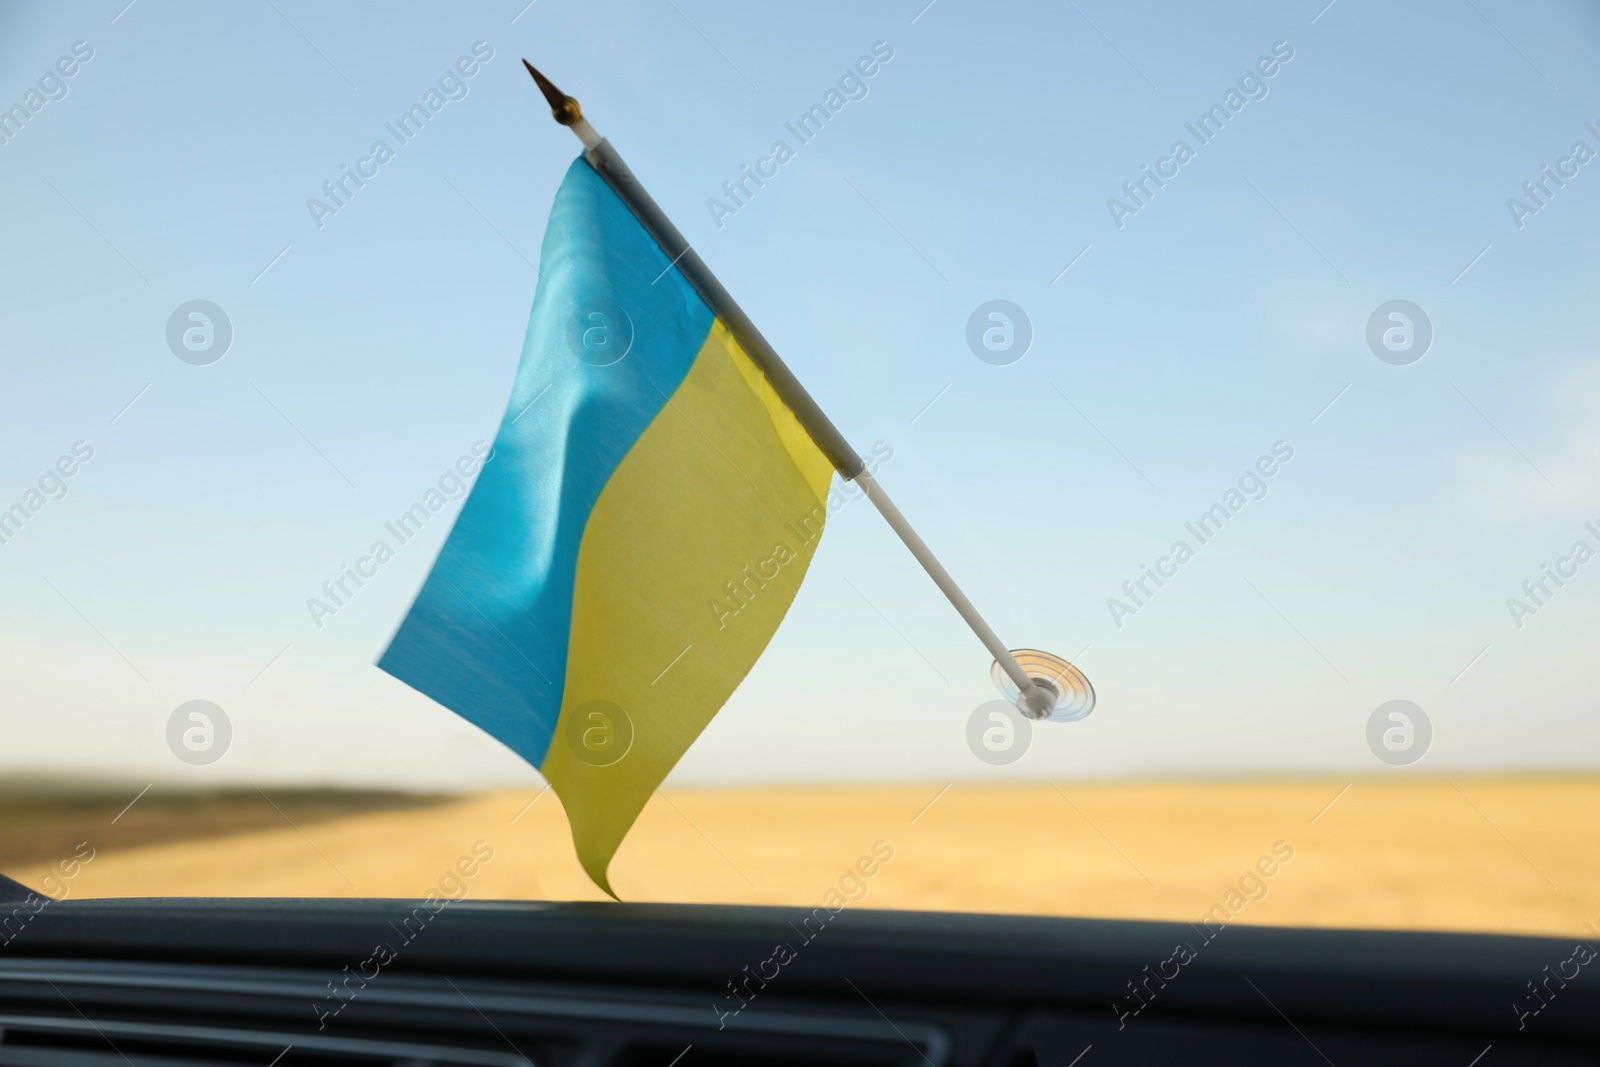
646, 517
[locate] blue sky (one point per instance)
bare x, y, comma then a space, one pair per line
370, 352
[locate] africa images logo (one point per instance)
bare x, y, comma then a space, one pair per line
1252, 86
452, 85
53, 86
852, 85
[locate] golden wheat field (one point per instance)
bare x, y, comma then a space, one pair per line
1486, 854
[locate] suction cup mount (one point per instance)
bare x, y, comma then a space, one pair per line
1060, 691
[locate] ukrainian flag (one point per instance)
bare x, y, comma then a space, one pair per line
648, 514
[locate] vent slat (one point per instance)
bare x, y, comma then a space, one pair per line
168, 1045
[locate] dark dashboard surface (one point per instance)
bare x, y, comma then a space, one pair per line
289, 983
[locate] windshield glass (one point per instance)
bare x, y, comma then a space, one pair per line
1240, 357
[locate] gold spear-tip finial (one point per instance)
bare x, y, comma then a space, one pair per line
563, 108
